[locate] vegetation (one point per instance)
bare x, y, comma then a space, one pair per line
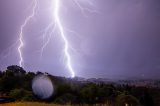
15, 82
28, 104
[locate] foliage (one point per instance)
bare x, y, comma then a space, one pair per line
21, 94
17, 83
127, 99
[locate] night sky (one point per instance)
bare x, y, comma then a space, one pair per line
121, 40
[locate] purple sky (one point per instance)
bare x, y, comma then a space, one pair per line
121, 41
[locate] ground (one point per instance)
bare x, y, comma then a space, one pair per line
37, 104
27, 104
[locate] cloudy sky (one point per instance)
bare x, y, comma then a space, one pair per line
116, 39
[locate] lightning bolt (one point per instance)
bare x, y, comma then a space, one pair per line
83, 9
49, 33
56, 5
21, 44
50, 29
59, 25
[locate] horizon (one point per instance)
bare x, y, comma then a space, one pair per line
88, 78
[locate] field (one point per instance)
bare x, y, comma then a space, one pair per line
39, 104
28, 104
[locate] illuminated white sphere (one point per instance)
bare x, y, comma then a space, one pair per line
42, 87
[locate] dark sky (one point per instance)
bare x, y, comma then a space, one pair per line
122, 40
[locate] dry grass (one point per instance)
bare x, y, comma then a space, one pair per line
38, 104
28, 104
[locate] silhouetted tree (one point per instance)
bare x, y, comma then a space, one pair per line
16, 70
129, 100
146, 99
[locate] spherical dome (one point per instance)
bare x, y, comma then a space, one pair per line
42, 87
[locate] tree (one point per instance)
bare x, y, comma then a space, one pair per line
67, 98
146, 99
16, 70
127, 100
8, 82
22, 94
89, 94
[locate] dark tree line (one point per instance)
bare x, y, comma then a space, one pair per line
17, 83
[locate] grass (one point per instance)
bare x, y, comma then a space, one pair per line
28, 104
37, 104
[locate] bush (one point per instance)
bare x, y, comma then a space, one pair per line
66, 98
123, 99
21, 94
